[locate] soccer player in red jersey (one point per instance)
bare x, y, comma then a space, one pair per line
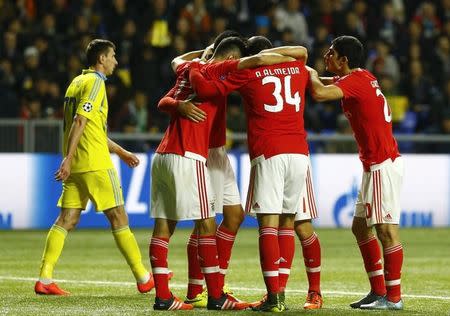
278, 151
303, 227
227, 198
181, 189
378, 202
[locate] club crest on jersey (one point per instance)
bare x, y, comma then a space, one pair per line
87, 107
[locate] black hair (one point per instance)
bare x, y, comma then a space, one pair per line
231, 45
225, 34
349, 47
255, 44
97, 47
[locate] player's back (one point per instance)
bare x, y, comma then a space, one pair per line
369, 115
274, 102
86, 96
183, 136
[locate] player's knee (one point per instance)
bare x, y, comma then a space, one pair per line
68, 222
360, 229
206, 226
388, 235
303, 229
117, 217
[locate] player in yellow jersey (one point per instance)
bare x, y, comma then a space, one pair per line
87, 172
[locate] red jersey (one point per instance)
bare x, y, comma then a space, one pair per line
184, 137
274, 103
219, 126
370, 117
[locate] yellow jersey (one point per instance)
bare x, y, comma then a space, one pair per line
86, 96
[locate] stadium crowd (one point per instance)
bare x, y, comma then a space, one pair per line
42, 49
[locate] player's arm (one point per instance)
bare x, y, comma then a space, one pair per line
205, 89
186, 108
263, 59
128, 157
76, 130
321, 92
327, 80
179, 60
297, 52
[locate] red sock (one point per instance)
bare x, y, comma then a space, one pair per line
225, 241
269, 255
158, 258
393, 260
286, 242
371, 253
312, 258
195, 284
209, 263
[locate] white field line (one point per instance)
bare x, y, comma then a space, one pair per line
239, 289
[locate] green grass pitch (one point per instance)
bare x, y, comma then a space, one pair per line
92, 269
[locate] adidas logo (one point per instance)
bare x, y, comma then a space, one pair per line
388, 216
256, 206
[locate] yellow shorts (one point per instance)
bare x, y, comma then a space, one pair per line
102, 187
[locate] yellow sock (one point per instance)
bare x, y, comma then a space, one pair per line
130, 250
53, 248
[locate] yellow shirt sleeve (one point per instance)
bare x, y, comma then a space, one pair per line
90, 98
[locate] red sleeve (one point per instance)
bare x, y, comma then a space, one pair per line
204, 88
168, 104
182, 67
348, 87
217, 78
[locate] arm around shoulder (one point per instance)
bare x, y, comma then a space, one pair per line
263, 59
297, 52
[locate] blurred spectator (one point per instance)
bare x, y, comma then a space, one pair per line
420, 93
389, 25
440, 63
382, 62
397, 102
31, 69
10, 103
427, 18
197, 19
289, 16
158, 29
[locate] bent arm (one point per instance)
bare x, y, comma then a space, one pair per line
168, 105
177, 61
115, 148
297, 52
322, 93
76, 130
186, 108
263, 59
128, 157
205, 89
327, 80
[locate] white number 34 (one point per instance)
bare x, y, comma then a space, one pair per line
292, 100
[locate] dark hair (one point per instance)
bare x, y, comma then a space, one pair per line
97, 47
255, 44
230, 45
349, 47
225, 34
